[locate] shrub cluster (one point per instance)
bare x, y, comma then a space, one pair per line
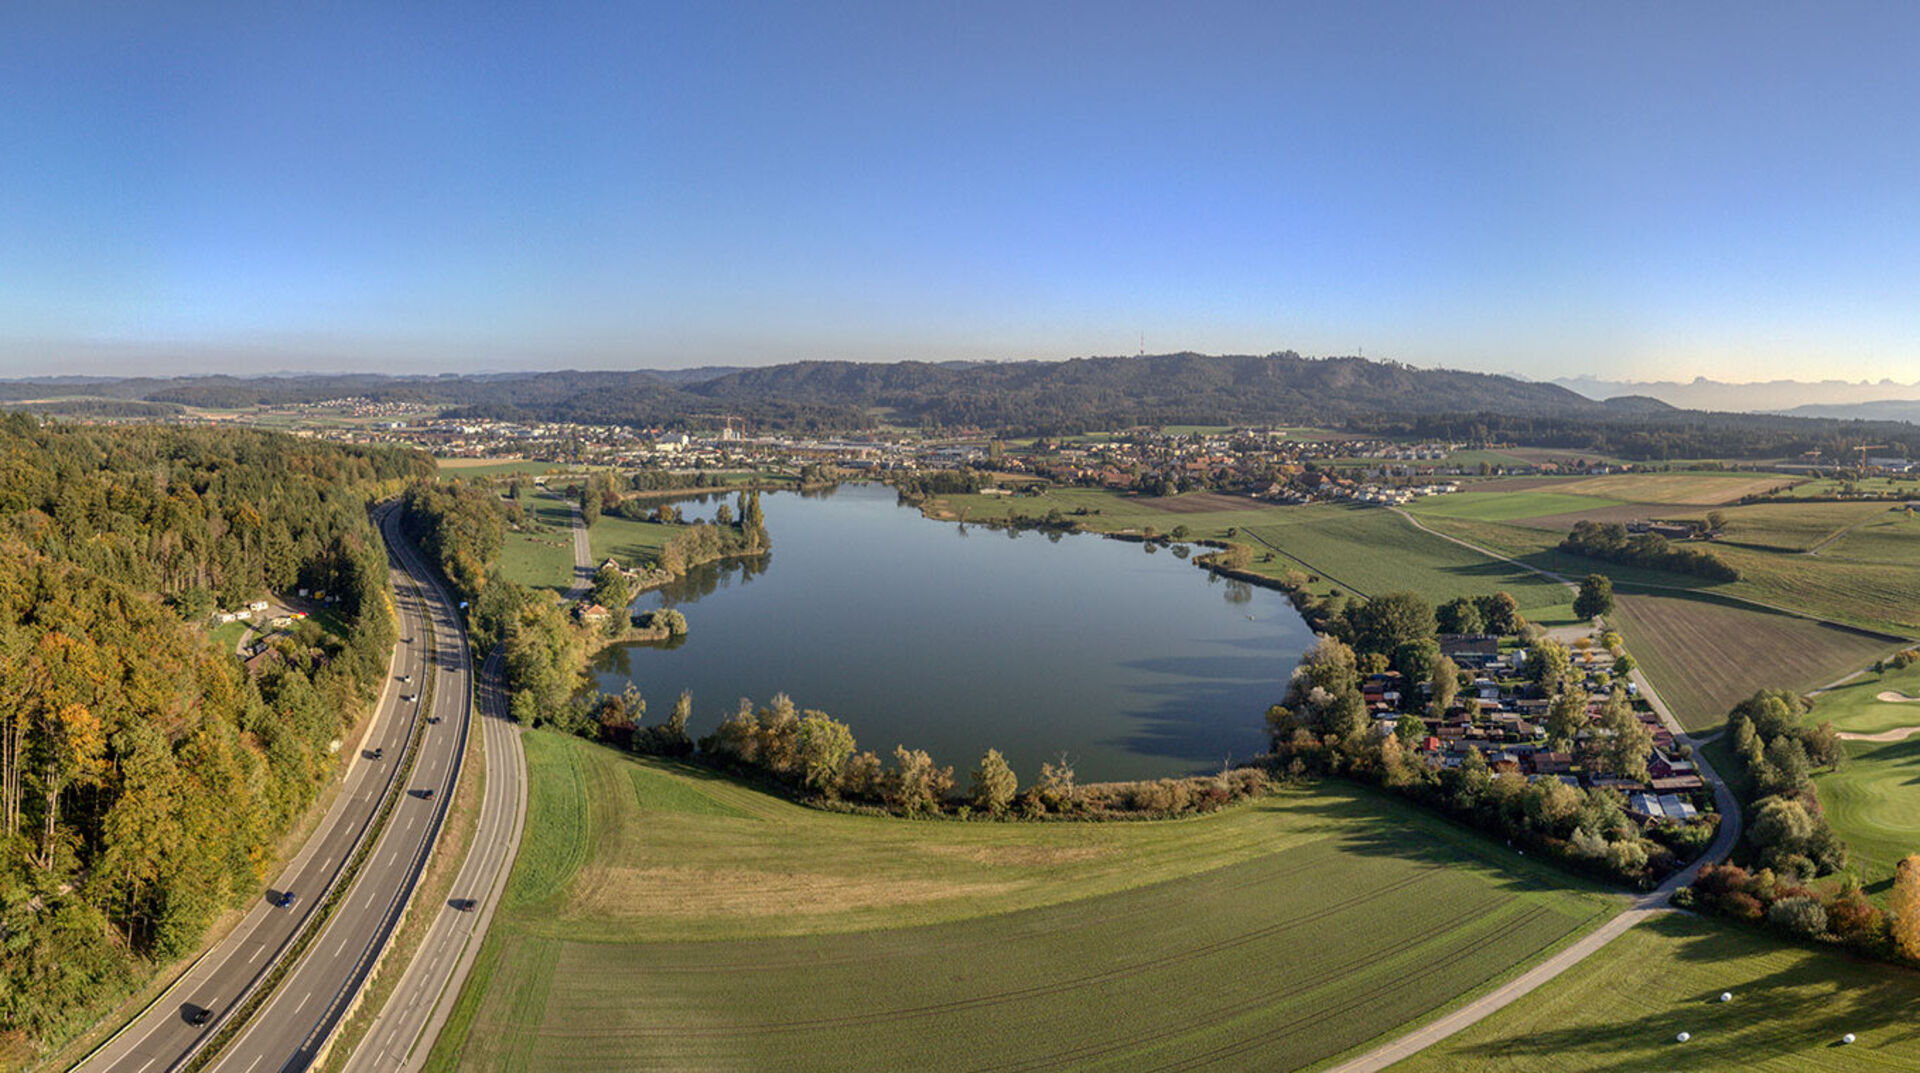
1609, 542
814, 756
1765, 897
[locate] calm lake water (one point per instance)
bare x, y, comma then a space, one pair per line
954, 640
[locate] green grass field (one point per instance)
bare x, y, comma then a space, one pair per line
1878, 593
1827, 486
1874, 806
227, 635
1872, 800
1375, 550
1354, 548
629, 541
1855, 706
1506, 506
1793, 527
542, 556
662, 918
1885, 537
1706, 655
1621, 1009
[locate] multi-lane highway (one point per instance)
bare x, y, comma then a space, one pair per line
312, 996
403, 1033
289, 1031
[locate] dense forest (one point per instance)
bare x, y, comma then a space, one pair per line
146, 775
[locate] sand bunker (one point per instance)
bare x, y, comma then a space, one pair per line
1896, 734
1892, 697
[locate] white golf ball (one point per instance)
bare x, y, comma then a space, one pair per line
1684, 1037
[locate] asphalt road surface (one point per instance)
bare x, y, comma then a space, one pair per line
164, 1035
309, 1003
403, 1033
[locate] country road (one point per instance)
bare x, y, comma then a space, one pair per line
163, 1037
1642, 907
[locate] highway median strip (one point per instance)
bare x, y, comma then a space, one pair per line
264, 986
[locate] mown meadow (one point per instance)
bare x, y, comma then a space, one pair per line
661, 917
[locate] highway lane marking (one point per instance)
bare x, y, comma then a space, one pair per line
255, 1062
150, 1061
255, 954
303, 1002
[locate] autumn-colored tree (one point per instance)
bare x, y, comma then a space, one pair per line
825, 746
1566, 717
1446, 684
994, 784
1903, 906
1627, 743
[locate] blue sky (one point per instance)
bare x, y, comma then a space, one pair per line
1625, 190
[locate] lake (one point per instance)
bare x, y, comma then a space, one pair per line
1134, 663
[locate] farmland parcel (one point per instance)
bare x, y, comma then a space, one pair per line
662, 918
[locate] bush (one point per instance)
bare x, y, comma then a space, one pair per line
1799, 915
1741, 906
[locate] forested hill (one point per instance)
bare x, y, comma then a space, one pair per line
1165, 389
144, 775
1084, 393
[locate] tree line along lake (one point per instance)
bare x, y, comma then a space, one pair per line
955, 639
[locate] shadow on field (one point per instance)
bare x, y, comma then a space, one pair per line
1798, 1012
1373, 823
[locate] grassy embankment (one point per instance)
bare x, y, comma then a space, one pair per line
1622, 1008
662, 917
1354, 548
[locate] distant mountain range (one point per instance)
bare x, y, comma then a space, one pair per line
1907, 410
1771, 396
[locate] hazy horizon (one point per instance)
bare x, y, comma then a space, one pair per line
1630, 193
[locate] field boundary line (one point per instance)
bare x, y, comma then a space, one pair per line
1652, 588
1278, 550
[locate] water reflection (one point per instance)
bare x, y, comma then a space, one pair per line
1123, 659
